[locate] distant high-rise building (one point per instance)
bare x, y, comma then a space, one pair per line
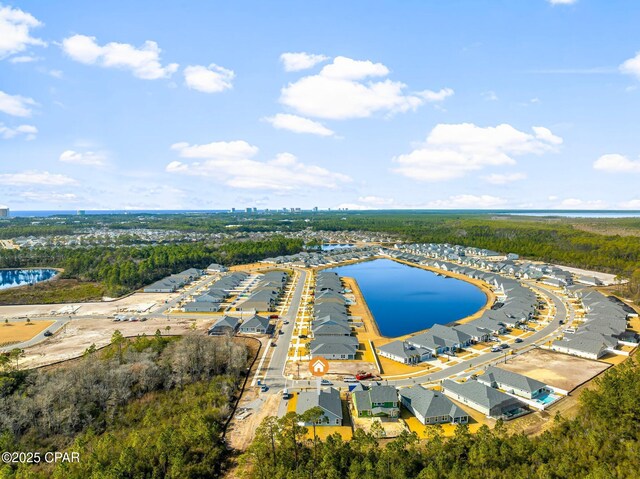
248, 210
233, 210
4, 212
255, 210
315, 208
81, 212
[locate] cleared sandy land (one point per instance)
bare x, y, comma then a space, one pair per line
15, 332
78, 334
555, 369
106, 308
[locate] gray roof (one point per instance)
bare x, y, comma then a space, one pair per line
401, 349
517, 381
328, 400
477, 392
256, 321
430, 403
375, 395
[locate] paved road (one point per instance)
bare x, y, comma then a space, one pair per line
59, 323
273, 371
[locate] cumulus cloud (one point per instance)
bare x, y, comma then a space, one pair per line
29, 131
23, 59
16, 105
453, 150
614, 163
232, 163
87, 158
35, 177
211, 79
15, 31
294, 62
143, 62
298, 124
503, 178
345, 89
632, 66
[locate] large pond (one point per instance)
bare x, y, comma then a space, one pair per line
10, 278
404, 299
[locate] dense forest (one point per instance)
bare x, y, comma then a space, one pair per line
602, 442
122, 270
149, 407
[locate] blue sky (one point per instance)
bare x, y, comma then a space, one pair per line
361, 104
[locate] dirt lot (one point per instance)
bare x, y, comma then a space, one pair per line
79, 334
15, 332
556, 369
86, 309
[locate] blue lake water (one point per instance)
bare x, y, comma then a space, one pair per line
404, 299
10, 278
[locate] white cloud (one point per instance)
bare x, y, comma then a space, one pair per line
294, 62
34, 177
50, 197
23, 59
467, 202
15, 105
614, 163
343, 90
298, 124
453, 150
490, 95
231, 163
29, 131
632, 66
503, 178
211, 79
15, 31
434, 96
578, 204
562, 2
144, 62
376, 200
87, 158
631, 204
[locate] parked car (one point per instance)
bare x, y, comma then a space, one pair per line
350, 379
274, 316
264, 388
303, 336
504, 346
285, 322
48, 333
273, 344
363, 375
326, 382
496, 349
518, 340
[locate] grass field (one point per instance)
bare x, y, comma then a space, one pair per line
50, 292
17, 332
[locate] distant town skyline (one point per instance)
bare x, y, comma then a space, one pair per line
468, 104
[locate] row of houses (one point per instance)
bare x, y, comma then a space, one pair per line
172, 283
496, 393
330, 325
314, 259
211, 300
229, 325
603, 330
516, 306
265, 295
